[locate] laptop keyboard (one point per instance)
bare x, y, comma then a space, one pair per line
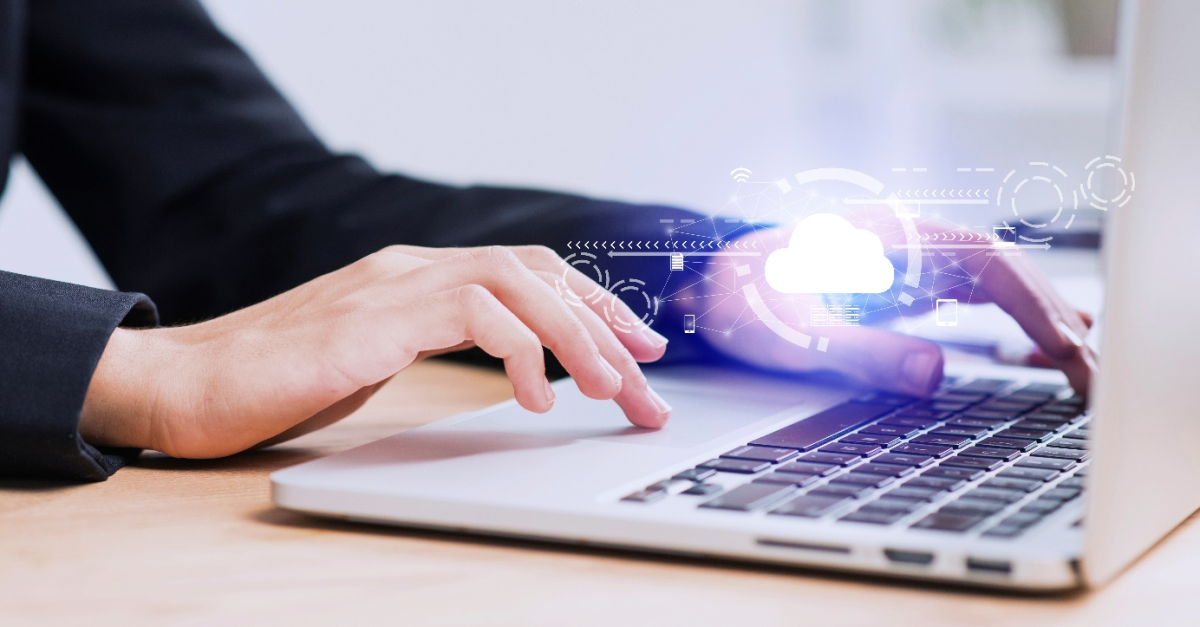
981, 455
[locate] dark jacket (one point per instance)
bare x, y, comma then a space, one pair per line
198, 185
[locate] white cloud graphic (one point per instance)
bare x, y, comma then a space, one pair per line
827, 255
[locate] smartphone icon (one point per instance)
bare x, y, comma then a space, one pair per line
689, 323
947, 312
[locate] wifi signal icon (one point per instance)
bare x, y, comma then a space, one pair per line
741, 175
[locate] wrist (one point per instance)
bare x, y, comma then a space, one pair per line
118, 408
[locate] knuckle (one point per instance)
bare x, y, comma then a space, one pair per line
495, 256
473, 296
542, 255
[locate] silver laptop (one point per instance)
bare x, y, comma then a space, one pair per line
1065, 494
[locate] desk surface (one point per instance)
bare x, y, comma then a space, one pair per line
200, 543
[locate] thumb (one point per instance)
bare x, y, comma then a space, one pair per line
884, 360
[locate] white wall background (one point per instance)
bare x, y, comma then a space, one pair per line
646, 101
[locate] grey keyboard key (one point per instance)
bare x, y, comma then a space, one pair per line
941, 484
852, 490
945, 472
889, 503
1010, 483
742, 466
831, 458
749, 497
788, 478
874, 481
975, 506
981, 463
645, 496
996, 494
966, 432
950, 521
1012, 443
1071, 482
1003, 531
932, 450
1046, 462
1074, 445
703, 489
1060, 453
1035, 474
896, 430
810, 505
1060, 494
975, 423
1002, 454
994, 416
811, 468
902, 459
888, 470
1026, 434
874, 517
815, 430
914, 493
762, 454
695, 474
862, 450
1042, 506
984, 386
886, 441
1022, 519
1038, 425
942, 440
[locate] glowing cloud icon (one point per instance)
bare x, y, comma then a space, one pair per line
827, 255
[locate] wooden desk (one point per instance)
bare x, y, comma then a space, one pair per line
200, 543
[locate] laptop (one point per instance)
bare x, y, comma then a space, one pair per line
1005, 477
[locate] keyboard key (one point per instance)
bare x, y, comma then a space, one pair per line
703, 489
943, 472
1002, 454
1074, 445
1007, 406
1049, 389
830, 458
975, 423
885, 398
1060, 453
788, 478
950, 521
1012, 443
645, 496
932, 450
996, 494
1044, 417
1071, 482
1043, 506
941, 484
862, 450
914, 493
1021, 519
810, 505
1039, 425
966, 432
1061, 494
951, 396
823, 427
942, 440
916, 461
1074, 400
886, 441
889, 503
874, 517
981, 463
1010, 483
874, 481
927, 414
810, 468
1078, 434
695, 474
749, 497
973, 506
762, 454
1002, 416
742, 466
1026, 434
896, 430
1035, 474
1061, 409
1046, 462
1034, 398
877, 467
852, 490
904, 421
1003, 531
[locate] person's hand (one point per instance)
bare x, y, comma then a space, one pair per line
312, 355
878, 357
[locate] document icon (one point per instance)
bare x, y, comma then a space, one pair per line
676, 261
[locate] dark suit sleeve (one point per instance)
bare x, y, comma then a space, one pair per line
51, 337
198, 184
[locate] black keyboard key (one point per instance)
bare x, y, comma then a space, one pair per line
966, 432
695, 474
820, 428
1035, 474
1074, 445
979, 414
925, 414
1003, 531
1078, 434
1048, 389
1026, 434
984, 386
932, 450
981, 463
1060, 453
1010, 483
1033, 398
788, 478
810, 505
844, 490
1061, 494
857, 478
810, 468
1046, 462
975, 423
1071, 482
973, 506
830, 458
903, 459
885, 398
914, 493
950, 521
996, 494
1042, 506
894, 430
1007, 406
1012, 443
886, 441
1039, 425
1050, 418
950, 396
941, 484
938, 406
1063, 410
1074, 400
762, 454
878, 467
890, 503
749, 497
944, 472
703, 489
1002, 454
742, 466
942, 440
862, 450
1021, 519
646, 496
874, 517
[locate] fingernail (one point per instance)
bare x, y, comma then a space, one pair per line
656, 339
919, 369
663, 407
612, 372
549, 392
